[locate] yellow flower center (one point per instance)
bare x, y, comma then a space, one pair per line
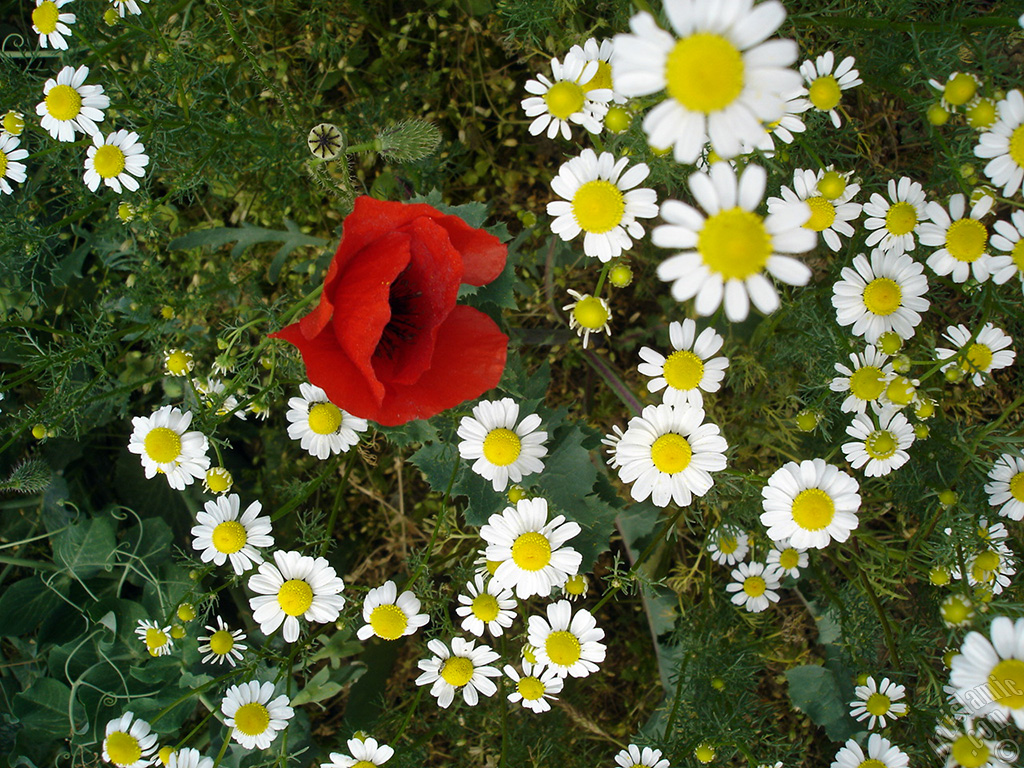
979, 358
388, 621
108, 161
501, 447
789, 559
590, 312
823, 213
872, 763
831, 185
901, 391
3, 164
531, 551
492, 566
598, 206
1017, 254
982, 114
457, 671
218, 479
1017, 486
221, 642
1006, 683
970, 751
179, 362
123, 748
880, 444
704, 72
155, 640
966, 240
901, 218
813, 509
877, 704
364, 764
960, 89
324, 418
727, 544
485, 606
754, 586
683, 370
576, 585
601, 79
229, 537
734, 243
295, 597
563, 648
63, 102
1017, 146
882, 296
986, 562
164, 755
252, 719
704, 753
564, 99
45, 17
671, 453
162, 445
825, 93
530, 688
956, 611
13, 123
867, 383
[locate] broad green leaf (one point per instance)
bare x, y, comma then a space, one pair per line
85, 548
149, 540
44, 707
24, 604
568, 474
815, 691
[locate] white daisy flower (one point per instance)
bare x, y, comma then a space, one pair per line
569, 644
611, 444
992, 533
158, 639
866, 379
464, 667
363, 753
217, 480
295, 585
115, 160
991, 568
877, 701
321, 427
179, 362
1008, 238
222, 644
988, 352
782, 129
562, 100
669, 453
530, 550
825, 83
885, 294
895, 221
10, 168
70, 105
128, 742
1006, 490
964, 746
187, 757
725, 254
588, 314
212, 391
491, 607
223, 533
956, 610
879, 449
389, 615
723, 82
830, 217
689, 369
254, 716
51, 25
754, 585
601, 198
603, 79
788, 559
503, 450
575, 587
960, 89
881, 753
535, 686
1003, 145
728, 544
129, 6
809, 504
963, 240
165, 447
634, 757
993, 670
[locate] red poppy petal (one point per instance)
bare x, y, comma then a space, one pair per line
469, 358
483, 255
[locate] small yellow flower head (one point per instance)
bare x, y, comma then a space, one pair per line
862, 678
13, 123
576, 586
921, 431
948, 498
662, 152
165, 752
890, 343
807, 420
924, 408
960, 89
832, 185
718, 683
968, 172
529, 218
516, 494
217, 480
590, 312
620, 275
125, 212
179, 362
901, 391
167, 312
948, 656
954, 374
530, 654
901, 363
186, 612
983, 593
939, 576
981, 114
956, 611
39, 431
177, 631
981, 191
704, 753
937, 114
618, 119
111, 18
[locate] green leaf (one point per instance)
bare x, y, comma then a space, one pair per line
149, 540
85, 548
435, 462
24, 604
327, 683
44, 707
484, 501
568, 474
815, 691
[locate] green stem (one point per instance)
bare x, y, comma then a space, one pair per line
223, 748
194, 692
334, 507
437, 527
24, 563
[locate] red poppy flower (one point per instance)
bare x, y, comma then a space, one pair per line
388, 342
